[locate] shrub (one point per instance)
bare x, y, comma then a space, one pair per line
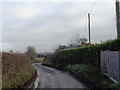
91, 75
16, 70
84, 62
86, 55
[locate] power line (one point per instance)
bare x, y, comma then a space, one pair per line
90, 11
93, 6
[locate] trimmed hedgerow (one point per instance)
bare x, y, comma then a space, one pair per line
84, 63
86, 55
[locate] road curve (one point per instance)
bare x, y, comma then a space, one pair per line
52, 78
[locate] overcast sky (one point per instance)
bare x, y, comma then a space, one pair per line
45, 25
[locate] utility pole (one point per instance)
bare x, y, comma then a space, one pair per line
89, 26
118, 17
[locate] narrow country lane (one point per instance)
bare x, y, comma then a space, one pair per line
52, 78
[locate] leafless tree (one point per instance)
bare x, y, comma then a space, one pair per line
60, 47
77, 40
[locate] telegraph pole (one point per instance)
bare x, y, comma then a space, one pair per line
89, 26
118, 17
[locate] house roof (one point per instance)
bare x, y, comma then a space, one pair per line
71, 47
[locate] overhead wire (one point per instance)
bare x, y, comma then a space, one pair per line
85, 26
92, 7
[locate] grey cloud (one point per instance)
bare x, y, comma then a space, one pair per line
55, 23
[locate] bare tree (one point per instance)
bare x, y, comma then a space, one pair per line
60, 47
83, 41
77, 40
31, 53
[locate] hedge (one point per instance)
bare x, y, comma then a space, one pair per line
84, 63
90, 75
17, 70
86, 55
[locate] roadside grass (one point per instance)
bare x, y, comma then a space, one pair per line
0, 81
50, 64
90, 75
17, 80
39, 60
84, 63
17, 70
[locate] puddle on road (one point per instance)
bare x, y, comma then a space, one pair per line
36, 83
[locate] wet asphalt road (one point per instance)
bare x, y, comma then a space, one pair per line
52, 78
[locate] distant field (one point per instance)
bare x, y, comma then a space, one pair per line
39, 60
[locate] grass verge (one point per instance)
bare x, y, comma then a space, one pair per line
90, 75
39, 60
17, 80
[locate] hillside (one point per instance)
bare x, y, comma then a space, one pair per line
16, 70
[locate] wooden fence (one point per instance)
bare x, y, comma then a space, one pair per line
110, 64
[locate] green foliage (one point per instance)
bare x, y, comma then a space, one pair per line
90, 74
84, 62
116, 87
16, 70
87, 55
31, 53
18, 79
48, 64
39, 60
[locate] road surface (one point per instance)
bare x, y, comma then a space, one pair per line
52, 78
